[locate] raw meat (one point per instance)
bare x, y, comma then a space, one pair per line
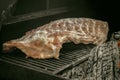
46, 41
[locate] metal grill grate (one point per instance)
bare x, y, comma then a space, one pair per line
53, 66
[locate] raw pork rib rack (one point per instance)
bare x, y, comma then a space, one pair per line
46, 41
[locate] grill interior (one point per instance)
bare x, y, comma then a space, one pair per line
21, 16
70, 55
67, 59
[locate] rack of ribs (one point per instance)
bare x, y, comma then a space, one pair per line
46, 41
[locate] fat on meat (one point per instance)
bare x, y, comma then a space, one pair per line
46, 41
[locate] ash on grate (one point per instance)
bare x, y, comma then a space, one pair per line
77, 72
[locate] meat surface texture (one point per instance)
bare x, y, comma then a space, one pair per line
46, 41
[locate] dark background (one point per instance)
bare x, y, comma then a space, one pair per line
107, 10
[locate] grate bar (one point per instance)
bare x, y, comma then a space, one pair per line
19, 63
73, 64
53, 66
41, 65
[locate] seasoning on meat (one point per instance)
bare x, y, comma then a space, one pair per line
46, 41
